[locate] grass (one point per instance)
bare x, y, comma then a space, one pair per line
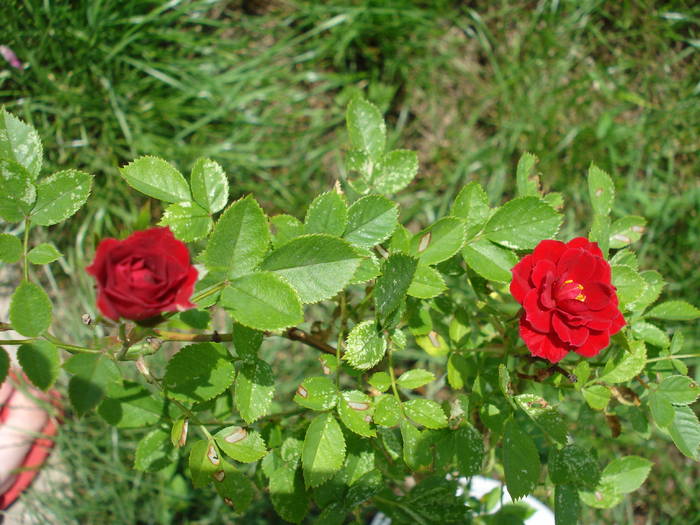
261, 87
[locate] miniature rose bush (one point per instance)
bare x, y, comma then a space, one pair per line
424, 364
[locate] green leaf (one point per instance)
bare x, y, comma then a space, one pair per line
156, 178
685, 432
522, 223
364, 488
525, 183
469, 450
440, 241
567, 505
654, 283
544, 415
317, 393
10, 248
44, 253
40, 362
154, 451
626, 474
263, 301
626, 230
427, 283
364, 346
675, 311
416, 446
368, 268
679, 390
651, 334
597, 396
209, 185
490, 261
381, 381
255, 386
59, 196
240, 444
328, 213
601, 190
573, 465
199, 372
371, 220
235, 488
324, 450
600, 233
178, 432
628, 366
472, 205
288, 495
20, 143
355, 410
30, 309
387, 411
92, 374
246, 341
284, 229
521, 461
426, 412
366, 129
397, 170
662, 410
415, 378
198, 319
187, 220
317, 266
390, 290
629, 284
204, 462
17, 192
4, 364
130, 405
240, 239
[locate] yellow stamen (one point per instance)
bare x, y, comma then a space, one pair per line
580, 297
568, 281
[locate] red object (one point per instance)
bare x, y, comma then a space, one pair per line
569, 302
142, 276
34, 460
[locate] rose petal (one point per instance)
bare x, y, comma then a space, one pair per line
597, 295
541, 270
520, 284
585, 244
549, 249
540, 318
574, 335
596, 342
577, 265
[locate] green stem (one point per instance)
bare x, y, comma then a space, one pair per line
394, 389
25, 248
341, 335
666, 358
71, 348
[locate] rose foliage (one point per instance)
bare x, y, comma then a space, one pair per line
344, 363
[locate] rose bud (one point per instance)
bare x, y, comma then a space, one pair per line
142, 276
569, 303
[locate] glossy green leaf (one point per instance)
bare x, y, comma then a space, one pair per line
368, 268
675, 311
597, 396
204, 462
387, 411
364, 488
156, 178
628, 365
355, 410
328, 213
381, 381
20, 143
364, 346
154, 451
241, 444
263, 301
472, 205
17, 192
544, 415
324, 450
440, 241
601, 190
651, 334
255, 386
396, 171
626, 474
234, 487
40, 362
567, 505
600, 233
390, 290
489, 260
240, 239
415, 378
526, 182
685, 432
521, 462
92, 374
130, 405
426, 412
416, 446
366, 129
317, 393
427, 283
661, 409
44, 253
187, 220
285, 228
209, 185
629, 284
522, 223
371, 220
654, 283
469, 450
199, 372
573, 465
288, 495
59, 196
317, 266
679, 390
10, 248
626, 230
30, 309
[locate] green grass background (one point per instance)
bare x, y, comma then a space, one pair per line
261, 86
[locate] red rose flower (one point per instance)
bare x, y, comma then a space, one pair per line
569, 302
147, 273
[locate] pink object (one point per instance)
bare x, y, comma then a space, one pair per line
11, 58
